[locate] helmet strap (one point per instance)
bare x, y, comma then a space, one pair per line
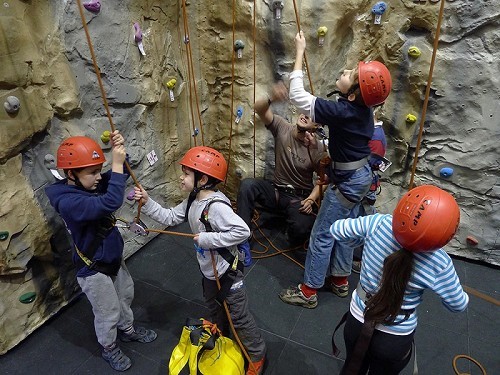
195, 191
74, 179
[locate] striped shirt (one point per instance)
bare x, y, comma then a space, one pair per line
431, 270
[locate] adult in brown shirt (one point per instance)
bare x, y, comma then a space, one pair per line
290, 191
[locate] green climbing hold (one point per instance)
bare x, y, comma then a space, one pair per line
4, 235
27, 297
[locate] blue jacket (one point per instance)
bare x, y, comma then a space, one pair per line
82, 211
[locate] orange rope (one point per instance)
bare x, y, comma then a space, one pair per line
427, 93
305, 57
101, 86
192, 79
232, 94
254, 31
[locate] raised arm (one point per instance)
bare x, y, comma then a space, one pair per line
299, 97
262, 106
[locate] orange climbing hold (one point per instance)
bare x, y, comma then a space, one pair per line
471, 240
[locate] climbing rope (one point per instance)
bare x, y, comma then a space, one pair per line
101, 86
463, 356
192, 76
305, 56
427, 93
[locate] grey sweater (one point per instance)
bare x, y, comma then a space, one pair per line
229, 229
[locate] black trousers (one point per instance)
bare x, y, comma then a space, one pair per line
257, 190
387, 354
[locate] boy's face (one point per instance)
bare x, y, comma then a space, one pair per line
345, 81
187, 179
90, 176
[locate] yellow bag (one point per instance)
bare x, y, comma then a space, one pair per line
207, 351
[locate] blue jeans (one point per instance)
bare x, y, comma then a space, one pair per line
321, 244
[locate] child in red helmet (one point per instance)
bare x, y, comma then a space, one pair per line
218, 230
86, 200
350, 123
402, 257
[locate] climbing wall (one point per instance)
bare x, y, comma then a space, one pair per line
180, 74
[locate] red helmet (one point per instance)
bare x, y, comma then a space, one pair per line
79, 152
375, 82
207, 161
425, 219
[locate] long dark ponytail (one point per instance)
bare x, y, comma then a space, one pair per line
385, 305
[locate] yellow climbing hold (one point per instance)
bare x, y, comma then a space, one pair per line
414, 51
322, 30
171, 84
411, 119
106, 136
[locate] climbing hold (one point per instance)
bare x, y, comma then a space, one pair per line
277, 6
196, 132
411, 119
170, 85
238, 47
186, 39
130, 195
414, 52
446, 172
27, 297
106, 136
471, 240
12, 104
322, 30
50, 161
239, 113
378, 9
138, 38
93, 6
138, 227
4, 235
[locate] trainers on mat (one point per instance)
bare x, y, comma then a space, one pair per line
294, 296
340, 290
140, 334
117, 359
356, 266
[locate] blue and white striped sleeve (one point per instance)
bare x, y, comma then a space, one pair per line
447, 286
353, 231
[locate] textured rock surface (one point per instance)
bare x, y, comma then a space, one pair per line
46, 63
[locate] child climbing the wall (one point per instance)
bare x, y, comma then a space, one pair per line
86, 200
218, 230
350, 123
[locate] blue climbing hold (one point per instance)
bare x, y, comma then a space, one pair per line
379, 8
239, 111
446, 172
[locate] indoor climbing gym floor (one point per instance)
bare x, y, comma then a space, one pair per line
168, 290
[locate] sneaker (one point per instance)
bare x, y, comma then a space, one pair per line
257, 368
341, 291
356, 266
117, 359
294, 296
140, 334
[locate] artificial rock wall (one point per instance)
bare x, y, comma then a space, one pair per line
45, 63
